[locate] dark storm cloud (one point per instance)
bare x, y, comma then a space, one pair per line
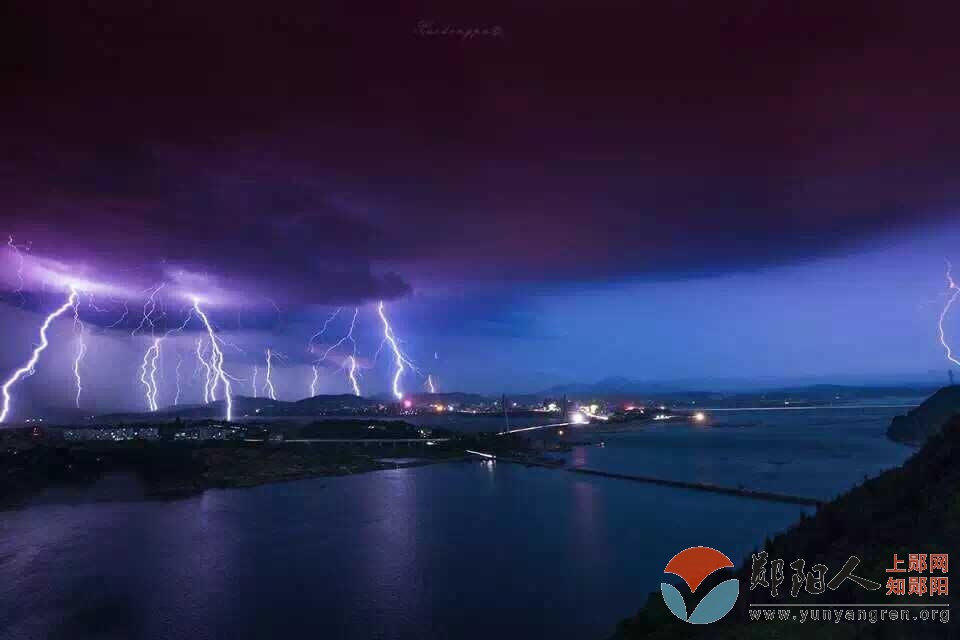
132, 214
314, 153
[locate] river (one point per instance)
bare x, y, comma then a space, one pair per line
462, 550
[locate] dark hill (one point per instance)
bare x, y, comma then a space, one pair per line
928, 418
308, 406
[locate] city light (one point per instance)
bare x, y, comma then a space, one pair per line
592, 412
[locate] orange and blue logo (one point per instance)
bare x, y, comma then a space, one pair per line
694, 565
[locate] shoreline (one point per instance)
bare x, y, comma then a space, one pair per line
169, 493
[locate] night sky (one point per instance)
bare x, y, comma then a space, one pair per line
688, 191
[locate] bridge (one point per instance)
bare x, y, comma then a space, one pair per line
742, 492
557, 425
364, 441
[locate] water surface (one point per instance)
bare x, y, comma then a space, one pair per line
817, 453
465, 550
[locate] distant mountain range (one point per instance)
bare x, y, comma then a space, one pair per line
610, 389
245, 406
616, 386
623, 388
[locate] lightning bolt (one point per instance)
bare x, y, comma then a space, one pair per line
19, 258
347, 336
123, 316
314, 381
81, 348
202, 362
232, 345
376, 356
216, 360
952, 292
151, 358
152, 354
92, 304
350, 365
29, 367
253, 379
211, 377
326, 323
149, 380
352, 373
399, 358
81, 352
268, 375
430, 387
149, 307
176, 398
